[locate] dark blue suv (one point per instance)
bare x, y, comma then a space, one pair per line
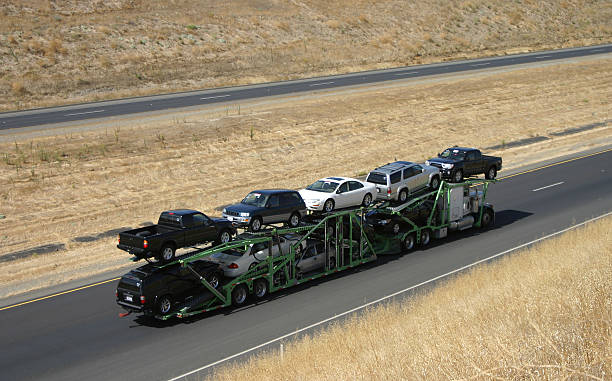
267, 206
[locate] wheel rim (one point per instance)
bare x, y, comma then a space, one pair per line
486, 219
165, 305
295, 220
403, 196
329, 205
240, 295
409, 242
396, 228
458, 176
214, 281
425, 238
491, 173
256, 225
167, 253
260, 289
367, 200
434, 183
225, 237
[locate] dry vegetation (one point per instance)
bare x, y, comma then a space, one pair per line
57, 189
544, 313
56, 52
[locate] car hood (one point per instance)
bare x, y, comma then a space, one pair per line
244, 208
220, 220
314, 195
442, 160
222, 258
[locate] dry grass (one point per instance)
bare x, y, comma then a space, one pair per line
544, 313
85, 183
53, 47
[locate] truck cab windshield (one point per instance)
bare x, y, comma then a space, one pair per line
255, 199
453, 154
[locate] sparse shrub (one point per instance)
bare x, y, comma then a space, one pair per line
18, 88
334, 24
192, 27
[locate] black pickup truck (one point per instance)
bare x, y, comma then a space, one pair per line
175, 229
458, 162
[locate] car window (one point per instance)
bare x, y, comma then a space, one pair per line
396, 177
417, 169
255, 199
354, 185
187, 220
320, 248
408, 172
343, 188
471, 155
296, 197
273, 201
454, 154
311, 251
200, 219
377, 178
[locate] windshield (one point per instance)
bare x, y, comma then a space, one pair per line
234, 252
454, 154
377, 178
323, 186
261, 246
255, 199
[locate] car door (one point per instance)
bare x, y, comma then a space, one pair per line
201, 229
410, 179
473, 163
308, 260
421, 178
272, 212
357, 192
343, 197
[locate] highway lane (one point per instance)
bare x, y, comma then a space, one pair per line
12, 120
79, 336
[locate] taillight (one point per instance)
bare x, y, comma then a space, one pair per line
142, 299
232, 266
116, 293
389, 191
145, 243
118, 239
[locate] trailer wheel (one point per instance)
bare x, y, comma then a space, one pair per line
408, 242
367, 200
239, 295
294, 220
255, 224
425, 237
328, 206
164, 304
487, 218
491, 173
260, 288
167, 253
458, 176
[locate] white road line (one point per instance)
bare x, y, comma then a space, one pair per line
217, 96
388, 297
542, 56
83, 113
597, 50
548, 186
481, 64
321, 84
412, 72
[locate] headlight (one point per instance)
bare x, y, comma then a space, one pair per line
427, 162
447, 166
224, 211
244, 214
383, 222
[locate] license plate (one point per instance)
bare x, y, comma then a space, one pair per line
128, 298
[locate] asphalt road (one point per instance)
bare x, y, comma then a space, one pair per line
79, 335
14, 120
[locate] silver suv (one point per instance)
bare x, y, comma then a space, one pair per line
395, 181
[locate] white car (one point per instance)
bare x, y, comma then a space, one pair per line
236, 262
337, 192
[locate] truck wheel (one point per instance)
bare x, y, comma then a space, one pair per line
491, 173
255, 224
458, 176
403, 195
425, 237
224, 237
260, 288
434, 183
367, 200
408, 243
294, 220
164, 304
167, 253
239, 295
487, 218
328, 206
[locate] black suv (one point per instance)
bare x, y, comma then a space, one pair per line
156, 290
267, 206
391, 223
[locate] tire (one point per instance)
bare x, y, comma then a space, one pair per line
458, 176
294, 220
239, 295
434, 183
253, 265
224, 237
425, 237
396, 228
260, 288
491, 173
408, 243
487, 218
329, 205
164, 305
367, 200
255, 224
167, 253
332, 263
403, 196
213, 280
